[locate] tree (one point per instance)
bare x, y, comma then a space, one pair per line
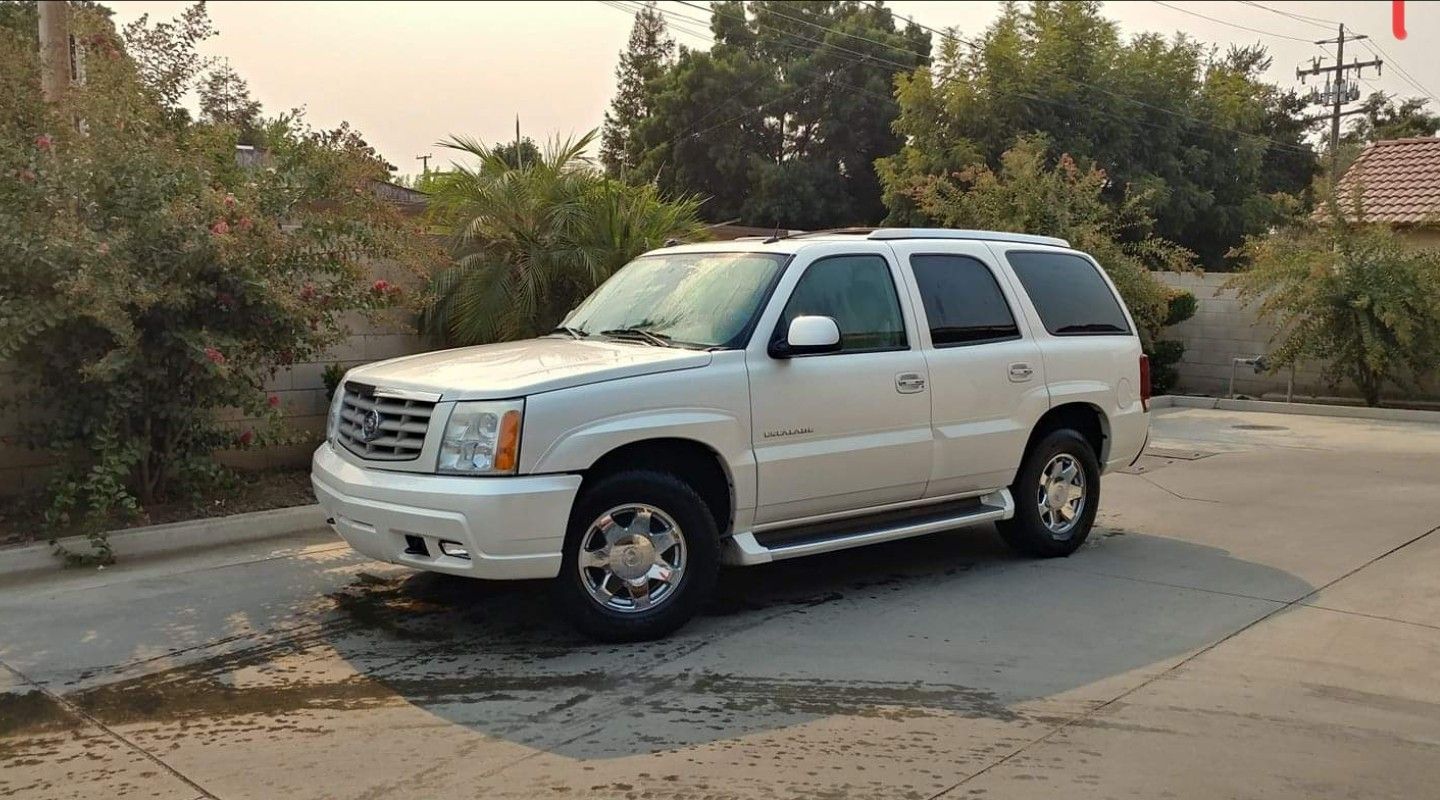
1382, 118
1350, 294
781, 121
531, 241
165, 54
153, 283
225, 99
1210, 143
649, 53
1067, 200
518, 153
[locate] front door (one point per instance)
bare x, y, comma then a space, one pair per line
847, 430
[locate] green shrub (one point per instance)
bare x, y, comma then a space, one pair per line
1349, 294
152, 284
1164, 355
1180, 306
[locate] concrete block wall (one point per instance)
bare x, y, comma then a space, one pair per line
1223, 329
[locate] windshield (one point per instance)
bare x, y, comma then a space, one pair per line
694, 299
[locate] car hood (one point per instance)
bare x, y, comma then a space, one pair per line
512, 369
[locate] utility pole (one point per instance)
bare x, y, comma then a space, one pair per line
54, 49
424, 163
1338, 91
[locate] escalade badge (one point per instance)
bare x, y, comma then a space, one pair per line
370, 426
788, 432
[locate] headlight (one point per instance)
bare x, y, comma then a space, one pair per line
332, 424
482, 438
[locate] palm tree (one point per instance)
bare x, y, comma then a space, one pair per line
531, 241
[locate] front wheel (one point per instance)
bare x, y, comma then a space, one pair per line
1056, 492
641, 557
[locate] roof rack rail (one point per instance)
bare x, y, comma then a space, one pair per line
953, 233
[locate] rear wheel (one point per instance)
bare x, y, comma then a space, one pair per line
1056, 492
641, 557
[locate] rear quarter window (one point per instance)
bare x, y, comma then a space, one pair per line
1069, 294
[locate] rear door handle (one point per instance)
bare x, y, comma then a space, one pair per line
909, 383
1020, 372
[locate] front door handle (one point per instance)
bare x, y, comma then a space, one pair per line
1020, 372
909, 383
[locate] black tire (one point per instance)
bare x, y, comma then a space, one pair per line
1027, 531
676, 499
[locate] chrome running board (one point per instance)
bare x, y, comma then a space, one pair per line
774, 545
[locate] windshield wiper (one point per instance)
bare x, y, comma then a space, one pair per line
574, 332
649, 337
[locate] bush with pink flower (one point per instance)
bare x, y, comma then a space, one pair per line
153, 283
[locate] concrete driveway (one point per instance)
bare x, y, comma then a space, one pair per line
1258, 615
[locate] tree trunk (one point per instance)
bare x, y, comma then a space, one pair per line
1369, 385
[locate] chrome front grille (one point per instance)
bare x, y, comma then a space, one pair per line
382, 428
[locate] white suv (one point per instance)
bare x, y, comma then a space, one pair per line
744, 402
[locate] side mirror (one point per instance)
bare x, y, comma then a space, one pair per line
808, 335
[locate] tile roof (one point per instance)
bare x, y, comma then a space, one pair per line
1398, 179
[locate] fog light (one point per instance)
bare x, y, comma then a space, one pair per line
454, 549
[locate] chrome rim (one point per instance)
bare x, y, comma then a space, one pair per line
632, 558
1061, 497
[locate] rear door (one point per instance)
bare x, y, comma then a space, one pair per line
987, 380
1087, 338
844, 431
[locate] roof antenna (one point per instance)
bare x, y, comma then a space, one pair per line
774, 237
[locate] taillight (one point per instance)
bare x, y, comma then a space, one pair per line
1144, 382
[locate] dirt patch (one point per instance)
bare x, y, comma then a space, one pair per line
20, 517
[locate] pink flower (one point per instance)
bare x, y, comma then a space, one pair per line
381, 286
220, 228
44, 142
245, 224
229, 201
216, 357
307, 292
103, 249
244, 439
27, 176
273, 400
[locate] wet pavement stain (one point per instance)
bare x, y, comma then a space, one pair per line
31, 711
490, 659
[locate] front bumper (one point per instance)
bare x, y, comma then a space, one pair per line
512, 527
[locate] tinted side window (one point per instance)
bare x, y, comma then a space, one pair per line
859, 293
1069, 293
963, 303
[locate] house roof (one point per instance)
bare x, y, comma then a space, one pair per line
1398, 181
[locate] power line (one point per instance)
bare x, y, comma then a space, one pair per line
1330, 24
1405, 74
809, 41
1319, 22
1178, 114
866, 59
1067, 106
1231, 24
772, 10
690, 132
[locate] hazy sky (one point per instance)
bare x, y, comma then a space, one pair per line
408, 74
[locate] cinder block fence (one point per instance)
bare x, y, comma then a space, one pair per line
1223, 329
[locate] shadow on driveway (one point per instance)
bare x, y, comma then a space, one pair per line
945, 624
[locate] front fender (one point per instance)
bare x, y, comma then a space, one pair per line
569, 431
